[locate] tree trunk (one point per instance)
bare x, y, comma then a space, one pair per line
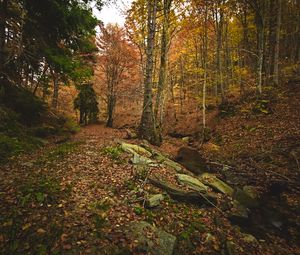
219, 16
148, 128
205, 71
3, 10
260, 57
259, 8
55, 90
158, 109
110, 110
277, 41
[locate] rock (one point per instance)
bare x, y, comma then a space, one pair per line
141, 160
239, 213
185, 139
154, 200
170, 163
130, 134
245, 199
150, 239
193, 197
160, 158
133, 148
231, 248
217, 184
249, 239
251, 191
191, 159
191, 182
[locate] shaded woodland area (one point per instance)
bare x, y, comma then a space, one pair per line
177, 133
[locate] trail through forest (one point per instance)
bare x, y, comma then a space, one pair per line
79, 196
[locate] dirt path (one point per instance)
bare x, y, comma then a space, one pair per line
50, 199
76, 197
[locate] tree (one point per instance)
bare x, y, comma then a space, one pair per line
277, 44
86, 103
165, 41
117, 57
148, 129
38, 34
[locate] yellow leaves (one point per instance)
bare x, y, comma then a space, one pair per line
26, 226
41, 231
8, 223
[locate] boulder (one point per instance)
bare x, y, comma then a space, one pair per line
149, 239
192, 197
160, 158
133, 148
249, 239
170, 163
191, 159
154, 200
141, 160
239, 213
245, 198
130, 134
217, 184
191, 182
231, 248
251, 191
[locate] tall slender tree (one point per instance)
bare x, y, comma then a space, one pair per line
148, 129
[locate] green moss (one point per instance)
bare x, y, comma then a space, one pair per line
113, 152
12, 146
62, 150
71, 126
40, 190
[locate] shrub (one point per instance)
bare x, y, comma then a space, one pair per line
42, 190
12, 146
113, 152
262, 107
29, 107
71, 126
227, 109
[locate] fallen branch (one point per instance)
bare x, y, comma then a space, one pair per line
270, 171
220, 164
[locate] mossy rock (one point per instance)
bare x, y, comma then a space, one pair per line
217, 184
149, 239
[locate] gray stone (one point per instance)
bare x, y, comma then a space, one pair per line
249, 239
141, 160
150, 239
191, 159
217, 184
133, 148
245, 199
131, 134
251, 191
154, 200
160, 158
231, 248
239, 213
191, 182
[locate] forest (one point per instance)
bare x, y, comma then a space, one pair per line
174, 132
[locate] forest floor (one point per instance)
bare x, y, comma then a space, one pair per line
76, 197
